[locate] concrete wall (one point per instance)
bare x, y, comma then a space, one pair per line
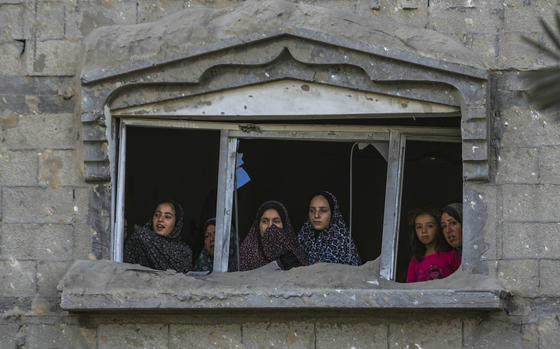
44, 199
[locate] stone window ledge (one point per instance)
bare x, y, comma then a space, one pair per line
109, 286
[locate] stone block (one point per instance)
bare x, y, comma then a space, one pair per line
56, 57
350, 335
516, 53
36, 241
520, 276
43, 131
532, 203
81, 207
60, 167
17, 278
48, 276
278, 335
550, 277
482, 202
84, 236
404, 12
549, 331
476, 19
36, 205
59, 336
7, 335
531, 240
494, 332
427, 333
518, 165
205, 336
55, 104
549, 165
11, 105
50, 20
12, 59
526, 127
81, 20
485, 45
11, 17
152, 10
18, 167
111, 336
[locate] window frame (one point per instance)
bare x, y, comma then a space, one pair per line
230, 132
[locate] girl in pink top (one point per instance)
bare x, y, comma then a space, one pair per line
433, 257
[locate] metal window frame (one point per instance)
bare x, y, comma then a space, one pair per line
229, 135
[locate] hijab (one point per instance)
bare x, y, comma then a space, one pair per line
455, 210
276, 244
333, 244
148, 248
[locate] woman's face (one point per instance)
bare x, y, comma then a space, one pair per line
452, 230
319, 213
426, 229
163, 220
209, 236
268, 218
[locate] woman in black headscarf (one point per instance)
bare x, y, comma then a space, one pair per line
271, 238
324, 236
451, 225
157, 244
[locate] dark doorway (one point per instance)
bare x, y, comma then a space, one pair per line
432, 179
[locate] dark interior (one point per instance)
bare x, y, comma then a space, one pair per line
292, 171
182, 165
432, 179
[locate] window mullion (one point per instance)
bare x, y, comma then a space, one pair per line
226, 183
118, 232
391, 217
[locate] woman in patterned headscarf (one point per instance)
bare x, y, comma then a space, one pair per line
157, 244
271, 238
324, 236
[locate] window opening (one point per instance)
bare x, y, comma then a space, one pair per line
206, 146
432, 179
177, 164
291, 171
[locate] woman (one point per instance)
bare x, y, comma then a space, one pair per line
451, 224
432, 257
205, 261
324, 236
271, 238
157, 244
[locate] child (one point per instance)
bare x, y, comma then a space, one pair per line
433, 257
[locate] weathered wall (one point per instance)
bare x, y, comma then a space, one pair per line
44, 199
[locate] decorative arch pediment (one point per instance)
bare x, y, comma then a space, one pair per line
204, 51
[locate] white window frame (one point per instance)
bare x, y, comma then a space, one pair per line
230, 132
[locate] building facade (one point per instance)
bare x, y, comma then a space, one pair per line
78, 77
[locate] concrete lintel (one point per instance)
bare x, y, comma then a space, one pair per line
103, 286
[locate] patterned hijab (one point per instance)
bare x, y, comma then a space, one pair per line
147, 248
332, 245
277, 244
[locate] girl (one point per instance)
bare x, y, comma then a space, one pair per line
158, 244
324, 236
271, 238
432, 258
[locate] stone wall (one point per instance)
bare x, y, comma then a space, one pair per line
45, 201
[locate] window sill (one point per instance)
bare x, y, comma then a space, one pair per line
99, 286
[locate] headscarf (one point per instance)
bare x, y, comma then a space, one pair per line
279, 244
455, 210
332, 245
148, 248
